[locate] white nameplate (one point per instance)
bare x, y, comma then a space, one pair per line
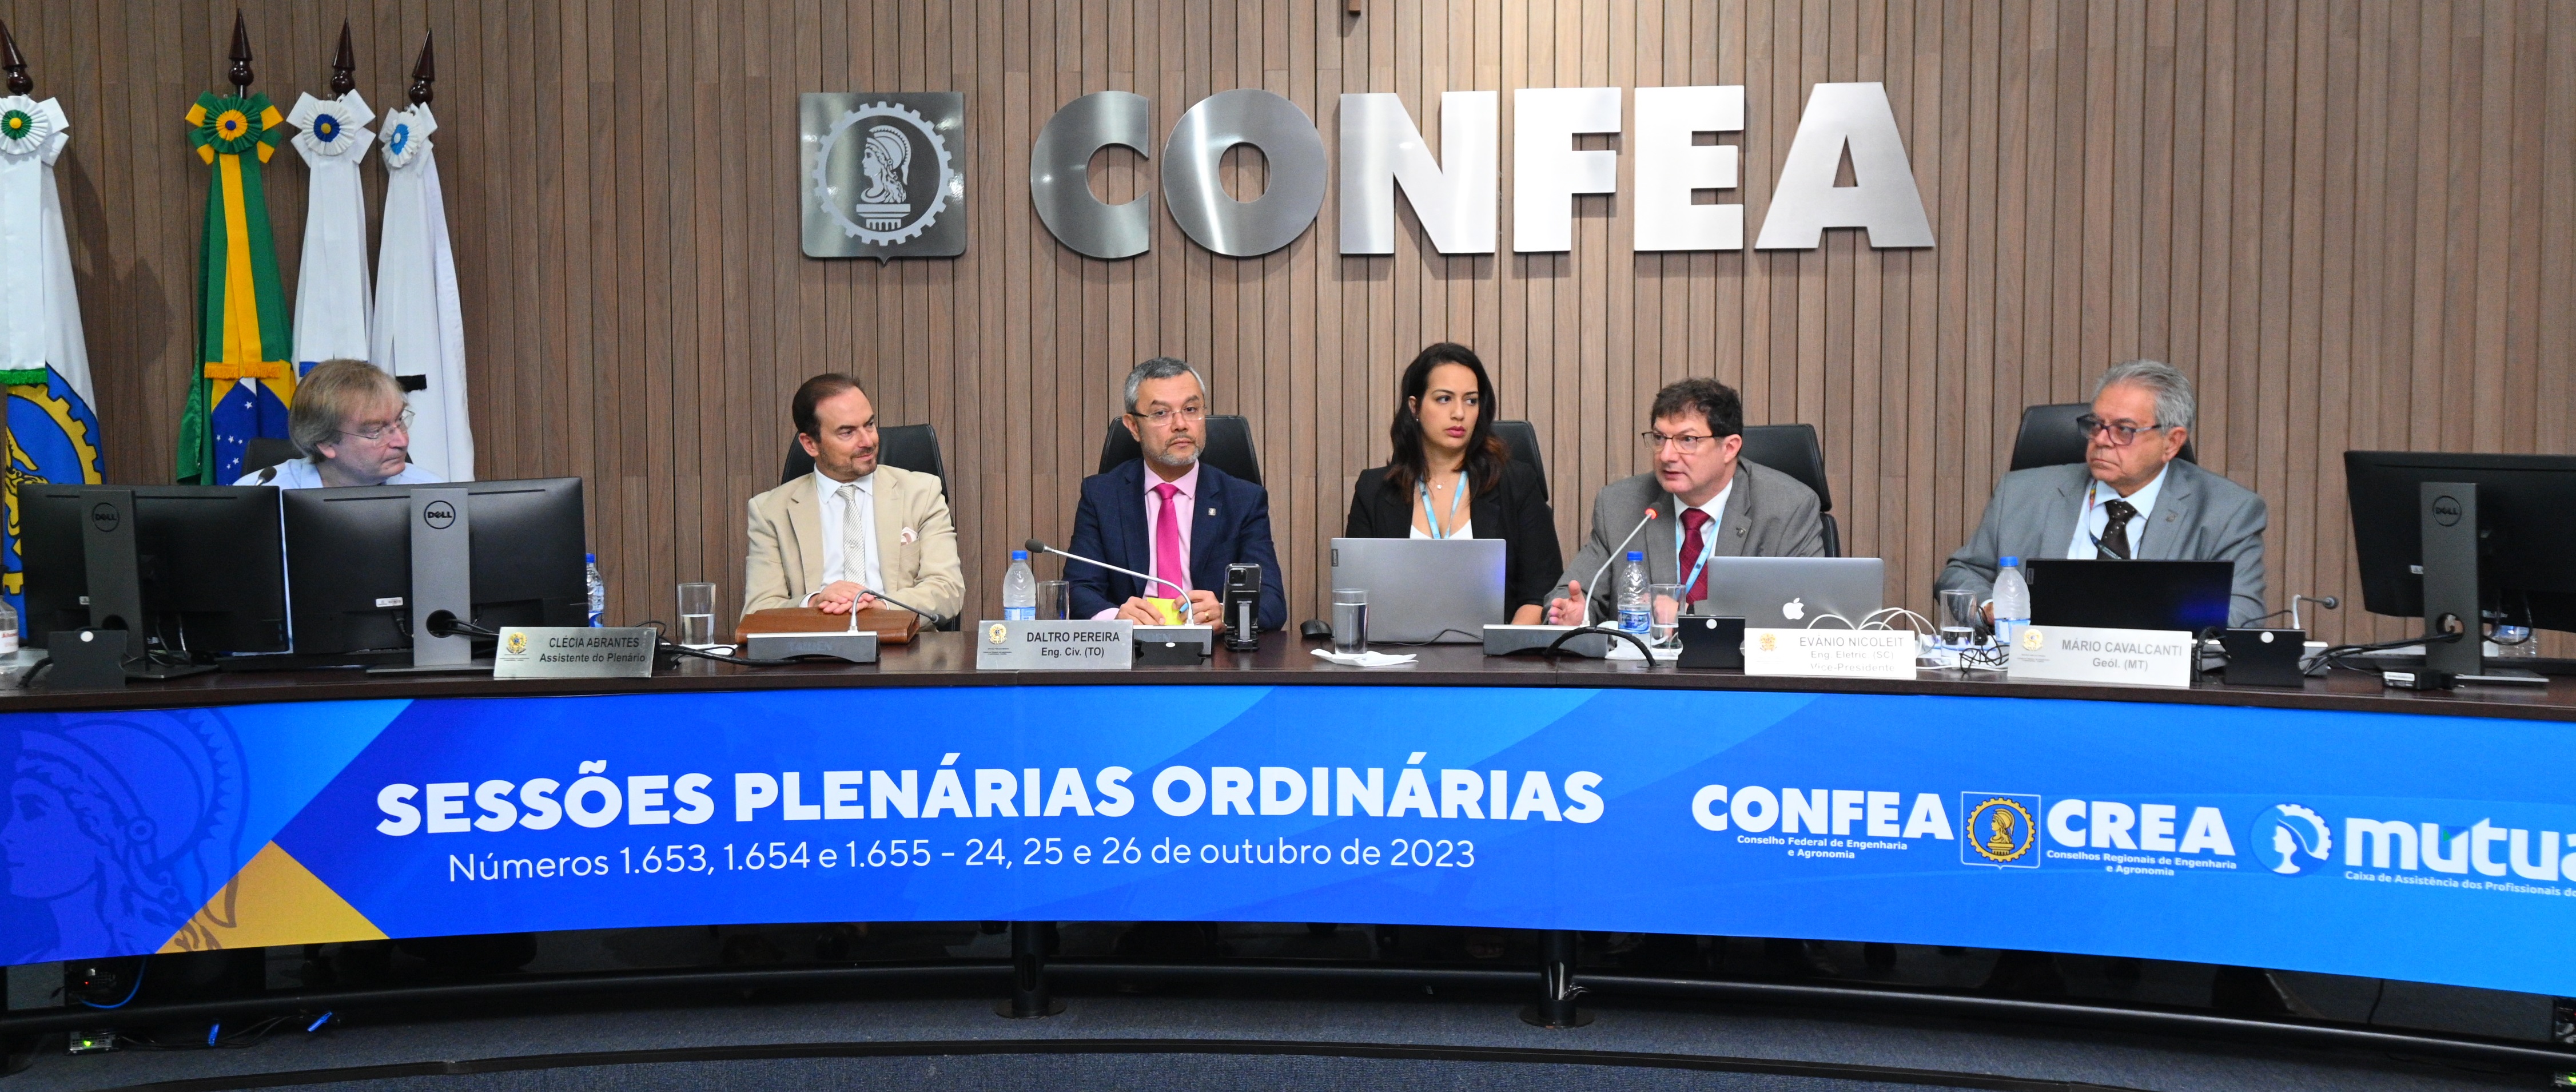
1024, 645
2140, 657
573, 652
1846, 653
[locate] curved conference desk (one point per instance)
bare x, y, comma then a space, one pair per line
2335, 829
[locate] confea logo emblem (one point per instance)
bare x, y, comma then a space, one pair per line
904, 169
518, 643
997, 633
2000, 830
2032, 639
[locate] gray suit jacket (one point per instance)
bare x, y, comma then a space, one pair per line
1770, 514
2199, 516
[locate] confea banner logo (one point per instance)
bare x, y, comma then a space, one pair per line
2001, 830
2280, 838
884, 175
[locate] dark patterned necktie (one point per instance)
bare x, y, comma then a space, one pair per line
2115, 536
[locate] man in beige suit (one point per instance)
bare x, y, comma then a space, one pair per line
851, 527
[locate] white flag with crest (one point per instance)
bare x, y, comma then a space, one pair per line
419, 327
331, 296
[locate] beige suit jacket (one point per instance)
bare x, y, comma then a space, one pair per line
916, 544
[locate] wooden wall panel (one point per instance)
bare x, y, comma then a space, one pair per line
2353, 222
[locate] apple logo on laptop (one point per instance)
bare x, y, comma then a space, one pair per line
1793, 609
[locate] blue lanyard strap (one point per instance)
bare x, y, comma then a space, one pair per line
1433, 518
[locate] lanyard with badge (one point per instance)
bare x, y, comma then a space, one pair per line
2092, 496
1433, 519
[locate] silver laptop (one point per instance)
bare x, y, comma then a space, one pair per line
1792, 592
1421, 589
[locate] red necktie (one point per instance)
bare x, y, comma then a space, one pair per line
1694, 524
1168, 562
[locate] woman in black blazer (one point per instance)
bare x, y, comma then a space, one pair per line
1450, 476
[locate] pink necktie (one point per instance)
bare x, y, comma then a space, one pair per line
1168, 563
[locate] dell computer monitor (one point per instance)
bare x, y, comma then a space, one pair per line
205, 564
2526, 508
348, 559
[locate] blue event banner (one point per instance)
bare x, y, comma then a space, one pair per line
2424, 848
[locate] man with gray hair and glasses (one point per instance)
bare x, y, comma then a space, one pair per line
1170, 514
2129, 498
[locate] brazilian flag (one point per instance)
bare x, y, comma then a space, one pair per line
244, 381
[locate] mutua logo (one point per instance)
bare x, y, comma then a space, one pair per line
2291, 839
1456, 196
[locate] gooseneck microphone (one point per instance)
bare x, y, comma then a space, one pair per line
929, 618
1615, 553
1036, 546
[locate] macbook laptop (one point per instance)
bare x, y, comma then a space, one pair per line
2186, 595
1424, 590
1791, 592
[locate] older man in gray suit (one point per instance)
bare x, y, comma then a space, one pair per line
1707, 503
2130, 498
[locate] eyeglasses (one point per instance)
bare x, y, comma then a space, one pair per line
1688, 443
1163, 417
2111, 434
377, 434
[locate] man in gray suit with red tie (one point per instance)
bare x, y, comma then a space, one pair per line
1708, 503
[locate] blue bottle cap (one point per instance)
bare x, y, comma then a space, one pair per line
1019, 555
2012, 563
1636, 555
590, 559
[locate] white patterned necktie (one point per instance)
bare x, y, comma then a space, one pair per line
856, 542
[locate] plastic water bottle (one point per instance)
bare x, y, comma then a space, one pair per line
598, 590
8, 629
1633, 613
1019, 588
2012, 605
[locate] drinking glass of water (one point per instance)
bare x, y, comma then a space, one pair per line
1350, 621
1664, 604
1055, 599
1958, 619
697, 614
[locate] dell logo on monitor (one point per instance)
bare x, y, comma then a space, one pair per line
440, 515
2446, 510
104, 517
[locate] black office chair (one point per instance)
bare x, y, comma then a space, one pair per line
909, 447
2049, 436
1229, 447
1793, 450
266, 451
1522, 438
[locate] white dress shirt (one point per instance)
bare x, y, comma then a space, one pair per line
2093, 520
306, 474
837, 515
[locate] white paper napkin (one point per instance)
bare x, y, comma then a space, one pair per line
1366, 659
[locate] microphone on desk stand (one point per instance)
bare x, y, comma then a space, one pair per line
929, 619
1036, 546
1615, 553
